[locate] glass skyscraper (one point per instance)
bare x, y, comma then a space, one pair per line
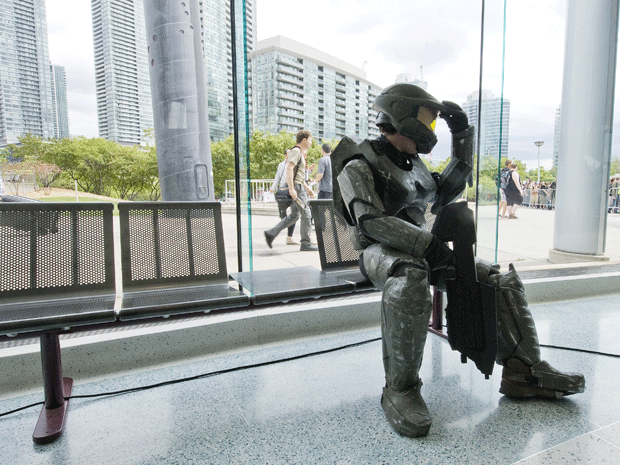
494, 122
295, 87
61, 110
26, 102
124, 107
217, 50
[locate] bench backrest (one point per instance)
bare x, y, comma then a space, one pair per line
56, 248
164, 243
335, 247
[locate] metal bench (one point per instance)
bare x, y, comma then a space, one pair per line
338, 257
286, 284
339, 272
173, 260
54, 281
43, 226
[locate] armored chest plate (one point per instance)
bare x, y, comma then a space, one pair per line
400, 189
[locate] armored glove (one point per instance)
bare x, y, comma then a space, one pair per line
456, 118
441, 261
439, 255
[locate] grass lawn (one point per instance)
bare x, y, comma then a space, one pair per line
81, 199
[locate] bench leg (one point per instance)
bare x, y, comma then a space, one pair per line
52, 418
436, 326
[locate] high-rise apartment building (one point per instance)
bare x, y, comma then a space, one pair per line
124, 107
61, 110
295, 87
494, 122
217, 49
26, 103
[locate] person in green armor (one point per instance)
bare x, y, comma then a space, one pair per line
383, 189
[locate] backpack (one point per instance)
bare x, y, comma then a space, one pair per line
504, 178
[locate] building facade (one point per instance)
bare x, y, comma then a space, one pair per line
217, 50
295, 87
26, 102
124, 107
494, 122
60, 107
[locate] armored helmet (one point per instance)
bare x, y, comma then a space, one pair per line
400, 104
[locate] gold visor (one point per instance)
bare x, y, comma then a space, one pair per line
427, 117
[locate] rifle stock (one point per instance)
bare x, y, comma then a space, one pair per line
471, 312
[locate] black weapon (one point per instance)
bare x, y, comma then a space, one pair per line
471, 312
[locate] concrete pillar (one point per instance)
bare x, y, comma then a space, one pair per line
585, 131
178, 89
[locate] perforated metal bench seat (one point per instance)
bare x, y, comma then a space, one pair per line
174, 260
56, 272
62, 278
180, 300
46, 223
354, 276
42, 315
336, 251
285, 284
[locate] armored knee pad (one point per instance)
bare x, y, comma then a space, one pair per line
516, 330
524, 374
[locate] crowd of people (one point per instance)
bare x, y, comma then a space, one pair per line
539, 194
514, 192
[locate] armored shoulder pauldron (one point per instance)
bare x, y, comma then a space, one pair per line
397, 188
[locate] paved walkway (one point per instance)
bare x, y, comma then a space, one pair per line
525, 242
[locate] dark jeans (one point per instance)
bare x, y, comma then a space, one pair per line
282, 207
324, 195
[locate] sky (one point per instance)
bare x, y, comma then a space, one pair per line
438, 40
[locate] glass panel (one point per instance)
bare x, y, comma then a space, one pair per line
489, 113
242, 135
613, 219
322, 72
525, 71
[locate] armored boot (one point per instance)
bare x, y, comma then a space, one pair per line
405, 314
524, 374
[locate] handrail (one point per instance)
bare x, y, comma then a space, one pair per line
258, 190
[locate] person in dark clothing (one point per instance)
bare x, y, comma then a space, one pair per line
324, 173
514, 192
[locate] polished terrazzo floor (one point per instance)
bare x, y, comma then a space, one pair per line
324, 409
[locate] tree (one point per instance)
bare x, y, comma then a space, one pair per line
614, 167
135, 173
89, 162
30, 148
32, 152
45, 175
545, 175
223, 160
267, 151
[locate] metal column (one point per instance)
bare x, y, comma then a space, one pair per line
178, 89
585, 130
